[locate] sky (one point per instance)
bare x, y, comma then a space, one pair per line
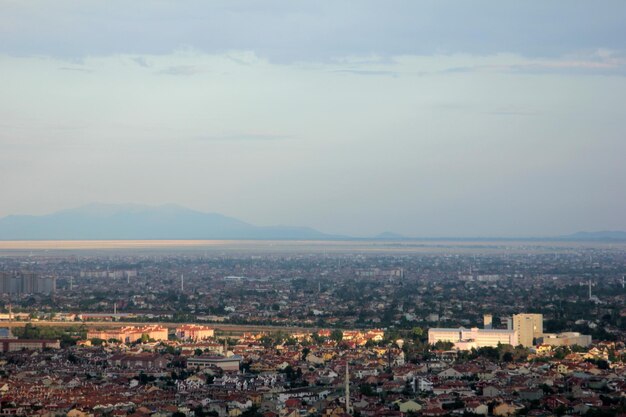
425, 118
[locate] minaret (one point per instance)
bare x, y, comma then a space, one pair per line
347, 390
182, 283
114, 309
590, 289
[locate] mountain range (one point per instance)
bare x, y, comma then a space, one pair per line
132, 221
171, 222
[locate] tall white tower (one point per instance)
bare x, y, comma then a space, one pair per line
487, 321
348, 408
182, 283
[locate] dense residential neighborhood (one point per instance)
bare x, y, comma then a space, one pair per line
305, 374
525, 332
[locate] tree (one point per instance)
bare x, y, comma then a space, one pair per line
443, 345
317, 338
251, 412
267, 341
417, 333
97, 341
336, 335
367, 390
560, 410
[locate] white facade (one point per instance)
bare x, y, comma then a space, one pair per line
567, 339
465, 339
529, 327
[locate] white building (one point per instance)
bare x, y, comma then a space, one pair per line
465, 339
567, 339
529, 327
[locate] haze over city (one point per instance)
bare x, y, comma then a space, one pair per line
422, 118
317, 208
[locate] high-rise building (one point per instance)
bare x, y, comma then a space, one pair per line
488, 321
529, 327
26, 283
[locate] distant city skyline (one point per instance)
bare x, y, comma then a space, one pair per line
428, 119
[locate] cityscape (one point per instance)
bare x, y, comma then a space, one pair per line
496, 330
312, 208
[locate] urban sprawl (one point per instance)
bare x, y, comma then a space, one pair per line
537, 332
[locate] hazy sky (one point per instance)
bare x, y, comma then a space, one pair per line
426, 118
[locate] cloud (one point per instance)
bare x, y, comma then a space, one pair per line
499, 147
141, 61
366, 72
245, 137
184, 70
512, 113
310, 31
85, 70
598, 62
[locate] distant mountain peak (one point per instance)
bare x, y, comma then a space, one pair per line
599, 235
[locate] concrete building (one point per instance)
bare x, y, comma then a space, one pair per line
487, 321
567, 339
226, 363
529, 328
13, 345
142, 360
26, 283
129, 334
194, 332
465, 339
